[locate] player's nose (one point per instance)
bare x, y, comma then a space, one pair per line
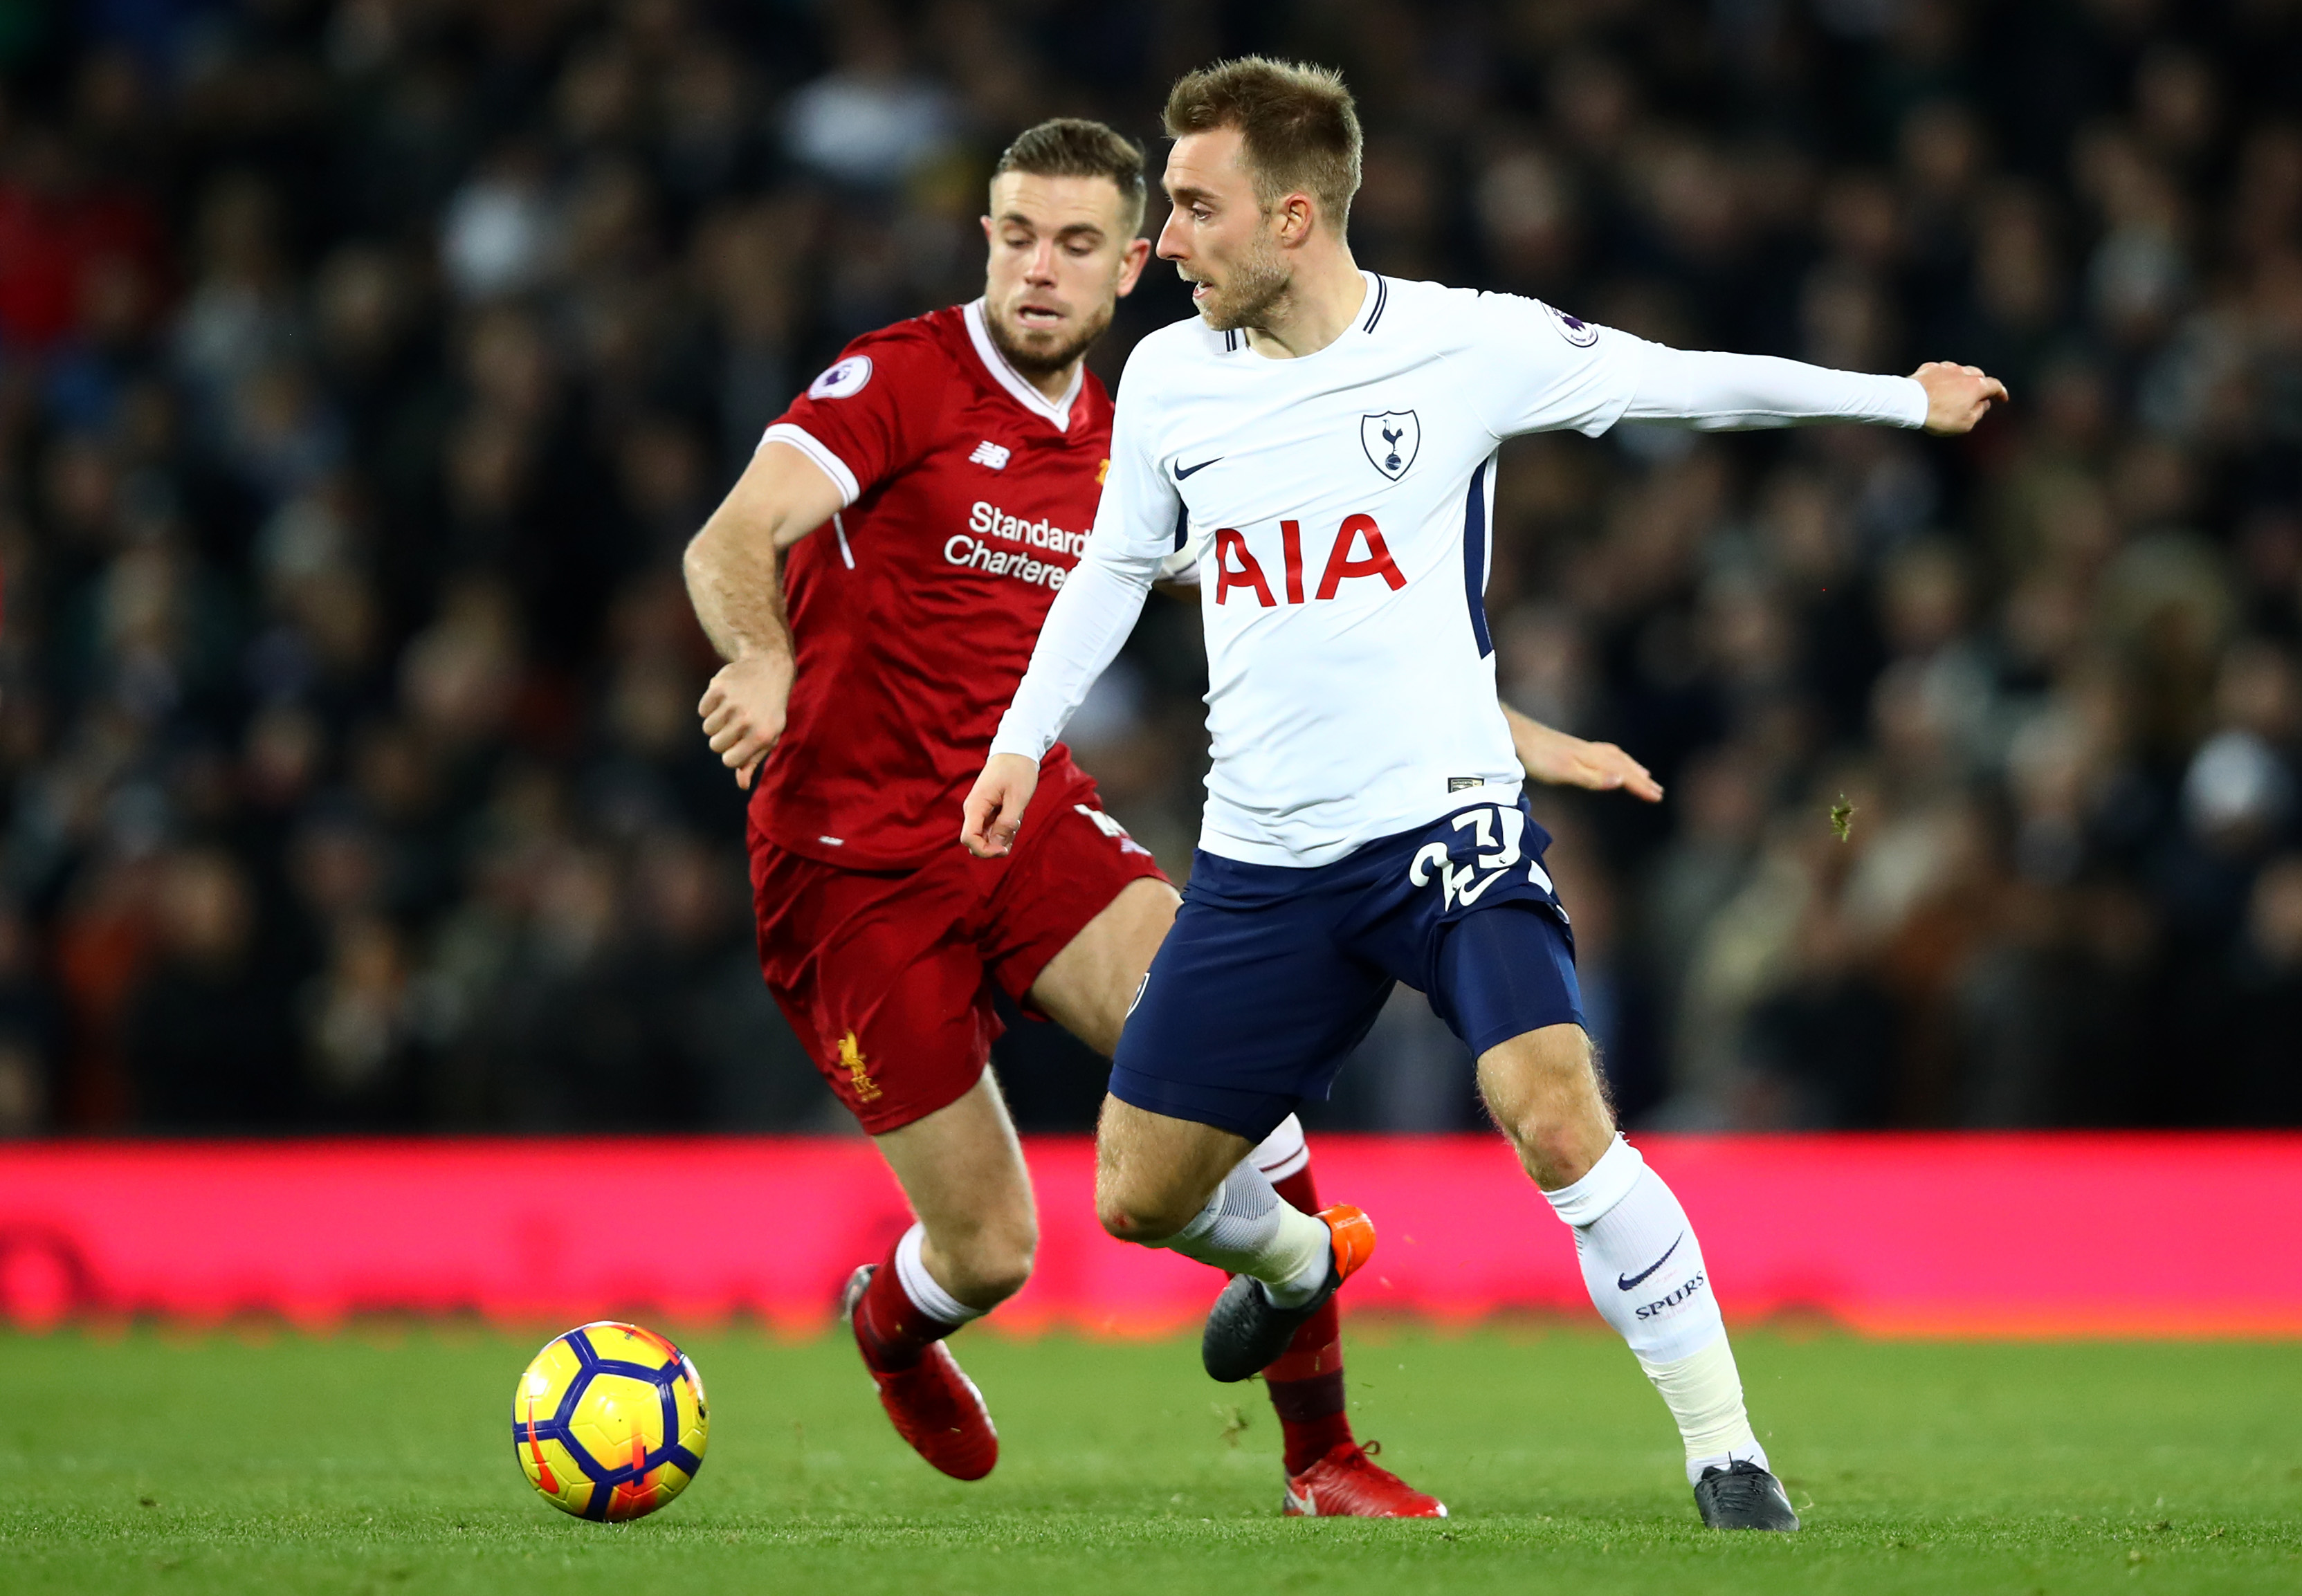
1171, 239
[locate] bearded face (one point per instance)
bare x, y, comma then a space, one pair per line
1062, 251
1239, 292
1037, 343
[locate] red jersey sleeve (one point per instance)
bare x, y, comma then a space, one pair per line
873, 411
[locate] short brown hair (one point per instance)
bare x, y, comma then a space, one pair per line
1297, 124
1075, 146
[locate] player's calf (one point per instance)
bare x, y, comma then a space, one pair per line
970, 1249
982, 1262
1644, 1269
1641, 1263
1191, 1189
963, 1171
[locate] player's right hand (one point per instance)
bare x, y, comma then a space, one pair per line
743, 710
1957, 396
995, 808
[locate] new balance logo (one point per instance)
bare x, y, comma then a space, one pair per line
987, 453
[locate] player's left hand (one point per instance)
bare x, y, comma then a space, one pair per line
1561, 760
995, 808
744, 710
1957, 396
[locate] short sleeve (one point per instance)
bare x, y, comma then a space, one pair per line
1539, 370
872, 411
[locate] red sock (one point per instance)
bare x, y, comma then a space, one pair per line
1307, 1383
890, 1327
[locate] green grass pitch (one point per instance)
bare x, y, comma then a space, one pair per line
380, 1460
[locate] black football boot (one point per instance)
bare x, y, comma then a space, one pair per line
1744, 1497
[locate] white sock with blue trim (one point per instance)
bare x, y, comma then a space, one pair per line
1644, 1268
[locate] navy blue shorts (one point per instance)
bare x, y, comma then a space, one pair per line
1273, 974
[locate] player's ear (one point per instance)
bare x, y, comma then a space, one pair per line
1131, 261
1297, 216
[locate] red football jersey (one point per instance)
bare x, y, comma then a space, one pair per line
969, 498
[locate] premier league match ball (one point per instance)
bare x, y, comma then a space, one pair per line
608, 1421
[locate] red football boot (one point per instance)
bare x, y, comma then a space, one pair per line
1348, 1483
932, 1404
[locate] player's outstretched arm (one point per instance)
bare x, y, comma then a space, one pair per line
1560, 759
994, 812
735, 579
1714, 391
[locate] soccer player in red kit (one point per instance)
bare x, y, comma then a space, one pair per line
933, 489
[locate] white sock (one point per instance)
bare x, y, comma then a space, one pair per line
926, 1292
1282, 1153
1645, 1271
1248, 1229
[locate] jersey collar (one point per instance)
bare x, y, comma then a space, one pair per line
1059, 412
1371, 305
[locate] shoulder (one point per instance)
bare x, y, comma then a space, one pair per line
1165, 369
1470, 314
1175, 347
1096, 397
1398, 306
904, 355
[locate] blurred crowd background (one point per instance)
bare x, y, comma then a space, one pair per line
364, 367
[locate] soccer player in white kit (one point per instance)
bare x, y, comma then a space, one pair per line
1325, 440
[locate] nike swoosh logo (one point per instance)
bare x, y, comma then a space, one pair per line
1181, 473
1624, 1282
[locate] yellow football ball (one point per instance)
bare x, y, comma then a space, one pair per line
608, 1421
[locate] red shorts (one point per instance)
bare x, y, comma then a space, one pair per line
885, 976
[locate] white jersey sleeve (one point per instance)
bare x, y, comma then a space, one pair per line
1134, 535
1718, 393
1541, 370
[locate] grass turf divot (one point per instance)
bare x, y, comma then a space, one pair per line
380, 1461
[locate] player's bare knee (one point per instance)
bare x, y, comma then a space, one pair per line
1137, 1222
996, 1277
1006, 1257
1545, 1092
1560, 1153
987, 1263
1145, 1217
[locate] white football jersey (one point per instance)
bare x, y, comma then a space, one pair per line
1340, 508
